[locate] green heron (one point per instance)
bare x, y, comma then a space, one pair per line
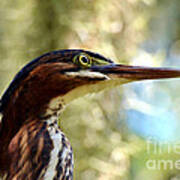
32, 146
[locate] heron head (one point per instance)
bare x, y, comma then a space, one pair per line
61, 76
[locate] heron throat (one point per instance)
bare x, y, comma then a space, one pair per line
58, 104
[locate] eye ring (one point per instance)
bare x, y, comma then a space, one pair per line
83, 60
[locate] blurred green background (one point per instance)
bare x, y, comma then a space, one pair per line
116, 133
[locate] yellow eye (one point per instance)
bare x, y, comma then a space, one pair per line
83, 60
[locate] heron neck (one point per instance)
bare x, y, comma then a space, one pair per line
16, 116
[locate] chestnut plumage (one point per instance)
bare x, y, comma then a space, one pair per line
32, 146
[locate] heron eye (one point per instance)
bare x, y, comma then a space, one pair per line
83, 60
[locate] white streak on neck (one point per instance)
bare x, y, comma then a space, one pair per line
57, 137
57, 143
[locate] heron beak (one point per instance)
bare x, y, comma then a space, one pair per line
135, 73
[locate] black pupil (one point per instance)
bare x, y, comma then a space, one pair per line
84, 59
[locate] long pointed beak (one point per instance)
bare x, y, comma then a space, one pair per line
135, 73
